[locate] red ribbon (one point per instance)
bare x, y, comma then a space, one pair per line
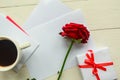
90, 63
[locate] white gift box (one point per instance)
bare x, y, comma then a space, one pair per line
100, 56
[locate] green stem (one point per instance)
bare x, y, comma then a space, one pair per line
60, 73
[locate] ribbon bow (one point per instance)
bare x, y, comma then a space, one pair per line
90, 63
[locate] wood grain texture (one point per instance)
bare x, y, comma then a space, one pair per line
14, 3
102, 18
98, 14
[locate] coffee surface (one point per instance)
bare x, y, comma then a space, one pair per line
8, 52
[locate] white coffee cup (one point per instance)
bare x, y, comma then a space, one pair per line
18, 48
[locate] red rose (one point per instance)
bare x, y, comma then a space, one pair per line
75, 31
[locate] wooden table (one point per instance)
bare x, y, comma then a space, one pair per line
102, 17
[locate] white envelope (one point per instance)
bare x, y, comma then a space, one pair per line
48, 58
9, 29
45, 11
101, 56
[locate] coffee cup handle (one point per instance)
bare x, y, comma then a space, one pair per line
24, 45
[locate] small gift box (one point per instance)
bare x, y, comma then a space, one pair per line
96, 65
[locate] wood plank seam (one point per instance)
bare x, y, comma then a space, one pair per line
22, 5
17, 6
104, 29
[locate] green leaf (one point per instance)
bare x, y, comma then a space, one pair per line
33, 79
78, 41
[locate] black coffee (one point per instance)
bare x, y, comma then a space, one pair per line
8, 52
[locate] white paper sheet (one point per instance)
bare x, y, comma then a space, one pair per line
45, 11
48, 59
9, 29
101, 56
